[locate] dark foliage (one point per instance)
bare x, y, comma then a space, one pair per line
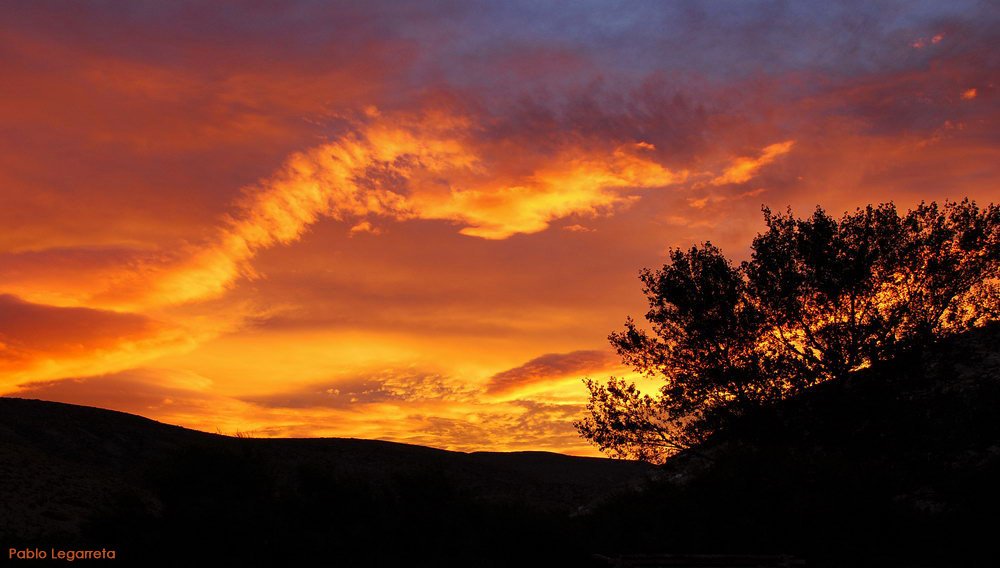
893, 465
818, 299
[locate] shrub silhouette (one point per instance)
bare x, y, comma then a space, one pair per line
819, 298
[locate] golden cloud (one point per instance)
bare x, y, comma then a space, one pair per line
744, 168
405, 167
39, 342
552, 366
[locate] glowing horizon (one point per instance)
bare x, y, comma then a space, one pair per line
419, 222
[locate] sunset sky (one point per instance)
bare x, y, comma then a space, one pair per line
419, 221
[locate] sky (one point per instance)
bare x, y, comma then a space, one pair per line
419, 221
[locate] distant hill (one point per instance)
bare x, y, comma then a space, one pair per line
80, 476
894, 466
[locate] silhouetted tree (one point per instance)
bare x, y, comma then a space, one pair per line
816, 280
818, 299
947, 281
703, 343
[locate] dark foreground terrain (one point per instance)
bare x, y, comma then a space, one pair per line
897, 466
73, 476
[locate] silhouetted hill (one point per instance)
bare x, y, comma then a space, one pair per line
75, 476
894, 466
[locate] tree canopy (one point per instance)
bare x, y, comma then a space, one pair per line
818, 298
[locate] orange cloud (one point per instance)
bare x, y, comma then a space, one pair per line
571, 184
364, 227
745, 168
552, 366
39, 341
402, 167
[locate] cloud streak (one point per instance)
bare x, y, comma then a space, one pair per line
551, 366
39, 342
743, 169
401, 168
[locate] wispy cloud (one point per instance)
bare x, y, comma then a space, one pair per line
550, 367
743, 169
39, 342
424, 166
